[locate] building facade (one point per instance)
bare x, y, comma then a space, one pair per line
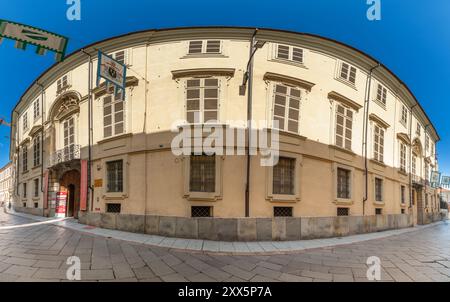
353, 139
6, 184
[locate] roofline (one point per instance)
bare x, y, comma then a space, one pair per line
234, 27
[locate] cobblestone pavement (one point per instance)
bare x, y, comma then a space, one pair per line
40, 252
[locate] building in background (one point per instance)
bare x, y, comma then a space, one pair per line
6, 184
354, 140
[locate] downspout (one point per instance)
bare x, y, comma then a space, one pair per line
410, 156
17, 149
365, 126
42, 135
145, 135
249, 123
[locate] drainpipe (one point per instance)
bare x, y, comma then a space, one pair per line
249, 76
410, 156
18, 152
366, 125
42, 135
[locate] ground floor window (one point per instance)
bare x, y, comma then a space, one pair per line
36, 187
378, 189
402, 193
202, 173
343, 183
113, 207
284, 176
201, 211
282, 211
343, 211
115, 176
378, 211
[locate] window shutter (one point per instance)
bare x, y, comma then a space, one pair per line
195, 47
297, 54
283, 52
352, 77
213, 46
344, 71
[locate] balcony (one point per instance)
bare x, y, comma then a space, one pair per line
64, 155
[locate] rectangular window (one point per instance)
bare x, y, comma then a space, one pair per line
25, 122
62, 83
113, 207
205, 47
37, 150
24, 158
69, 138
381, 94
286, 108
378, 211
202, 173
202, 100
24, 190
119, 56
197, 211
404, 116
378, 189
413, 165
402, 194
284, 176
378, 143
343, 211
344, 124
282, 211
289, 53
418, 130
348, 73
427, 173
36, 187
36, 205
36, 110
402, 211
343, 183
427, 143
402, 157
115, 176
113, 115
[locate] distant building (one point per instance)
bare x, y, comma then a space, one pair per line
6, 183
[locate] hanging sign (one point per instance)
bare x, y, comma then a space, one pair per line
435, 179
24, 35
112, 71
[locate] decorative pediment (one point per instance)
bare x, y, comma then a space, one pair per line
288, 80
65, 105
378, 120
344, 100
417, 147
35, 130
404, 137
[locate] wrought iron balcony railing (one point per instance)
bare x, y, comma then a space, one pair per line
64, 155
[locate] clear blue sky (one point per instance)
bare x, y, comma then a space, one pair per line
412, 38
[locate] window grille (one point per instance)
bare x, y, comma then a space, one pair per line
24, 190
37, 150
402, 193
378, 211
25, 122
343, 211
205, 47
404, 116
378, 189
202, 173
290, 53
402, 157
25, 158
115, 176
198, 211
113, 207
381, 94
343, 183
282, 211
284, 176
36, 109
36, 187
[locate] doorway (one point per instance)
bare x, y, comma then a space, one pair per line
70, 182
70, 200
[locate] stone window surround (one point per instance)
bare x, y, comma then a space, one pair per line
273, 54
296, 197
115, 195
337, 75
203, 196
337, 200
383, 190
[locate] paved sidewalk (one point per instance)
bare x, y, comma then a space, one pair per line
261, 247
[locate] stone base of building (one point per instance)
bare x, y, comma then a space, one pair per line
32, 211
250, 229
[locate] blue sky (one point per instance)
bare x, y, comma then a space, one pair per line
412, 38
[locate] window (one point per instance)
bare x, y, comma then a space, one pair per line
343, 183
62, 83
202, 100
114, 171
286, 108
36, 187
378, 143
36, 110
418, 130
36, 205
378, 189
402, 211
348, 73
113, 115
25, 122
378, 211
402, 157
413, 165
69, 138
113, 207
404, 116
427, 172
37, 150
402, 194
282, 211
197, 211
427, 143
344, 123
284, 176
24, 158
290, 53
381, 94
205, 47
343, 211
202, 173
24, 190
119, 56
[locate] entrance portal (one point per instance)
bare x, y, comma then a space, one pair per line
70, 183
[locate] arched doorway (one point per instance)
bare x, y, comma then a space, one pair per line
70, 183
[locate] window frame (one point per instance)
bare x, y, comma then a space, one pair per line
25, 124
125, 185
381, 96
404, 115
378, 146
403, 163
375, 195
36, 188
37, 160
290, 58
345, 118
24, 158
36, 110
202, 99
340, 200
296, 197
347, 79
204, 47
113, 102
287, 107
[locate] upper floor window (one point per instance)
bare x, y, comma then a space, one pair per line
205, 47
347, 73
25, 121
284, 176
427, 143
202, 100
402, 157
202, 173
404, 115
119, 56
62, 83
36, 150
113, 115
290, 53
36, 109
378, 143
381, 94
286, 107
414, 165
344, 125
24, 158
114, 170
418, 129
